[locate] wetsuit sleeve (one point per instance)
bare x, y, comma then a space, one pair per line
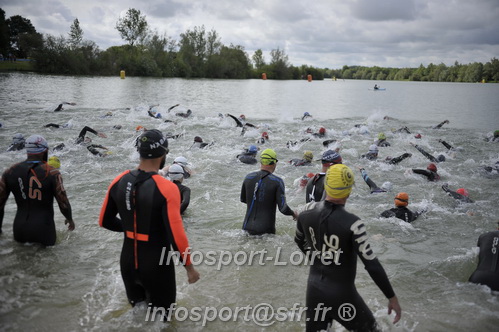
186, 199
61, 197
398, 159
84, 131
371, 263
243, 193
238, 123
4, 195
447, 145
281, 200
172, 195
109, 210
426, 154
422, 172
366, 178
300, 237
388, 214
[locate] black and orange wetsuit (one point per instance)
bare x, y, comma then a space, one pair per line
34, 184
327, 230
148, 206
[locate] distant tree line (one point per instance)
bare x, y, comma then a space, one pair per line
197, 54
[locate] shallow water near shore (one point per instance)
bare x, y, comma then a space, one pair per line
76, 285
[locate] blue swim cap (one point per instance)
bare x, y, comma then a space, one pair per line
158, 115
306, 114
252, 149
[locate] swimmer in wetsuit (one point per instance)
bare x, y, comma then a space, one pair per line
487, 271
93, 149
306, 115
308, 156
81, 137
386, 186
401, 211
334, 238
430, 172
439, 159
176, 175
438, 126
460, 194
372, 154
382, 142
148, 206
35, 184
18, 143
248, 156
315, 187
262, 191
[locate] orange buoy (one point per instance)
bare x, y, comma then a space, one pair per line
309, 78
264, 76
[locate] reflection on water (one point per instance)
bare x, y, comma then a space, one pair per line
77, 285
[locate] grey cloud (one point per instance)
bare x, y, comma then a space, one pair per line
384, 10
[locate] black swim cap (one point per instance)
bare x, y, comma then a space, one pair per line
152, 144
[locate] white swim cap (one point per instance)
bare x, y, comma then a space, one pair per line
175, 172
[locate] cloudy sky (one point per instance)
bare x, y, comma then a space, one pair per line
320, 33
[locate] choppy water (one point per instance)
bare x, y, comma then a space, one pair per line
76, 285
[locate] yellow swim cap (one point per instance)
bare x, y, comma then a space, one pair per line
381, 136
339, 181
268, 157
54, 162
308, 155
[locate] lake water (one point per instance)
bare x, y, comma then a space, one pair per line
76, 285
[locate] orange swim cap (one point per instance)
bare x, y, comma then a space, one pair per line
402, 199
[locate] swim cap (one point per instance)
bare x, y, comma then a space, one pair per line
138, 128
373, 148
381, 136
242, 117
36, 144
322, 130
308, 155
252, 149
18, 138
198, 139
417, 136
310, 175
152, 144
54, 162
175, 172
386, 186
158, 115
306, 114
265, 135
181, 161
432, 167
496, 133
339, 181
463, 192
402, 199
441, 158
331, 156
268, 157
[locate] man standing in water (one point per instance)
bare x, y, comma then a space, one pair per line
34, 184
487, 271
149, 216
262, 191
334, 238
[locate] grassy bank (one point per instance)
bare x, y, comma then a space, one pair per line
17, 66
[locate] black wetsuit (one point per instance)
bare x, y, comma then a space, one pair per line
16, 146
184, 115
382, 143
59, 108
487, 271
401, 212
447, 145
329, 141
83, 132
93, 149
300, 162
34, 185
372, 186
247, 158
293, 143
370, 156
398, 159
427, 155
457, 196
314, 191
438, 126
149, 215
185, 196
431, 176
238, 122
403, 129
262, 191
329, 229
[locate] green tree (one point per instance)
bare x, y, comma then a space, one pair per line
133, 27
19, 26
4, 34
75, 34
279, 65
258, 59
